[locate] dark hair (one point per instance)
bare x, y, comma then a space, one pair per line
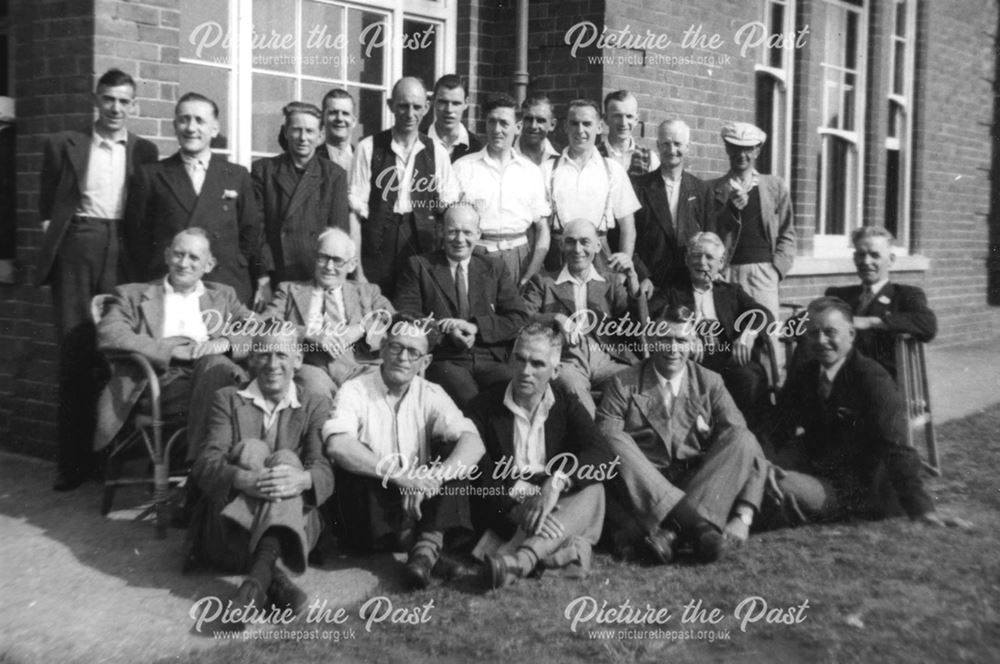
617, 95
337, 93
547, 332
535, 100
294, 107
865, 232
501, 101
112, 78
823, 304
451, 82
428, 325
583, 103
676, 314
195, 96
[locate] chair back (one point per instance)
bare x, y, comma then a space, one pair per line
911, 376
98, 306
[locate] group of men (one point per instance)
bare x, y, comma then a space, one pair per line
442, 352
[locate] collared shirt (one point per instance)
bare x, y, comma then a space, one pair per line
579, 285
317, 316
529, 431
735, 182
404, 427
624, 157
104, 189
704, 304
361, 172
343, 157
508, 196
673, 195
547, 152
196, 169
670, 388
465, 270
463, 138
182, 313
598, 191
271, 410
877, 287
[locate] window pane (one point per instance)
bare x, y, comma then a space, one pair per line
213, 82
849, 87
270, 94
765, 114
205, 30
892, 189
324, 41
837, 172
420, 48
366, 54
777, 25
851, 41
274, 36
901, 19
899, 67
369, 110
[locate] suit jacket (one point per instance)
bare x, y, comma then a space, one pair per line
235, 418
861, 425
661, 241
292, 299
296, 210
63, 178
608, 299
162, 202
569, 429
133, 323
902, 308
776, 215
426, 287
633, 405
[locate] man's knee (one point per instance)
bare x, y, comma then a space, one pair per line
283, 457
251, 454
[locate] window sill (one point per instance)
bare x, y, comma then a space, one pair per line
805, 266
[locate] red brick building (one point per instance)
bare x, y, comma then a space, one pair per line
878, 112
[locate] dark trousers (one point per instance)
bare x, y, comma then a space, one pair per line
86, 265
394, 241
463, 377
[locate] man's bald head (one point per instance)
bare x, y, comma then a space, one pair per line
408, 104
335, 258
673, 138
580, 243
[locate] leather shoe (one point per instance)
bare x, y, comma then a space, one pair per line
708, 544
501, 571
249, 593
661, 544
453, 568
285, 594
418, 571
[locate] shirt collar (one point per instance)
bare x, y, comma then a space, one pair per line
189, 160
675, 382
543, 407
878, 286
564, 157
465, 264
289, 400
199, 288
592, 275
832, 372
120, 136
754, 178
629, 146
463, 135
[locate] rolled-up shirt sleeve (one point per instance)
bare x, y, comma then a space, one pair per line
447, 423
348, 411
361, 174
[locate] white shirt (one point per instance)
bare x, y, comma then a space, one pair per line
587, 192
547, 152
704, 304
196, 169
364, 408
579, 285
624, 157
317, 317
670, 388
463, 137
104, 189
673, 195
343, 157
182, 313
361, 172
271, 410
508, 197
452, 265
529, 431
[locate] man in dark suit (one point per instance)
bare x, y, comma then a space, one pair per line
82, 197
580, 298
262, 476
852, 458
675, 206
340, 320
299, 195
881, 308
475, 304
690, 469
730, 324
196, 188
544, 464
450, 101
183, 326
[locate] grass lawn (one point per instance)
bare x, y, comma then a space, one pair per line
883, 591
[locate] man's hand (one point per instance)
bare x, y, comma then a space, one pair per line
45, 224
461, 331
932, 518
646, 288
264, 294
210, 347
415, 491
741, 353
283, 481
570, 327
182, 352
868, 323
334, 346
536, 509
247, 481
737, 196
697, 350
620, 262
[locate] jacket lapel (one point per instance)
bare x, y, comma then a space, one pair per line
686, 412
211, 191
289, 425
878, 306
767, 216
152, 308
724, 309
649, 401
503, 429
285, 178
441, 274
249, 420
352, 302
176, 178
597, 294
305, 186
302, 299
477, 284
687, 219
661, 204
564, 294
78, 152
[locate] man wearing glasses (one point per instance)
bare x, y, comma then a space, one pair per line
403, 454
339, 320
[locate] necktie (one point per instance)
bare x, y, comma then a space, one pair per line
825, 386
197, 172
668, 398
866, 299
331, 306
461, 292
670, 202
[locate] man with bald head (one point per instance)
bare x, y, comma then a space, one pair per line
400, 181
338, 319
475, 303
178, 323
577, 299
675, 206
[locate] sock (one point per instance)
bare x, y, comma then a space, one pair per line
266, 554
428, 544
526, 559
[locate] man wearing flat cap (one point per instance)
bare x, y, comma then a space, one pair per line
753, 216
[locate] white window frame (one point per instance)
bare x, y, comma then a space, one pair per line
903, 142
784, 76
440, 12
826, 244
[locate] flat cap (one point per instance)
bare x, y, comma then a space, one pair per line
743, 134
